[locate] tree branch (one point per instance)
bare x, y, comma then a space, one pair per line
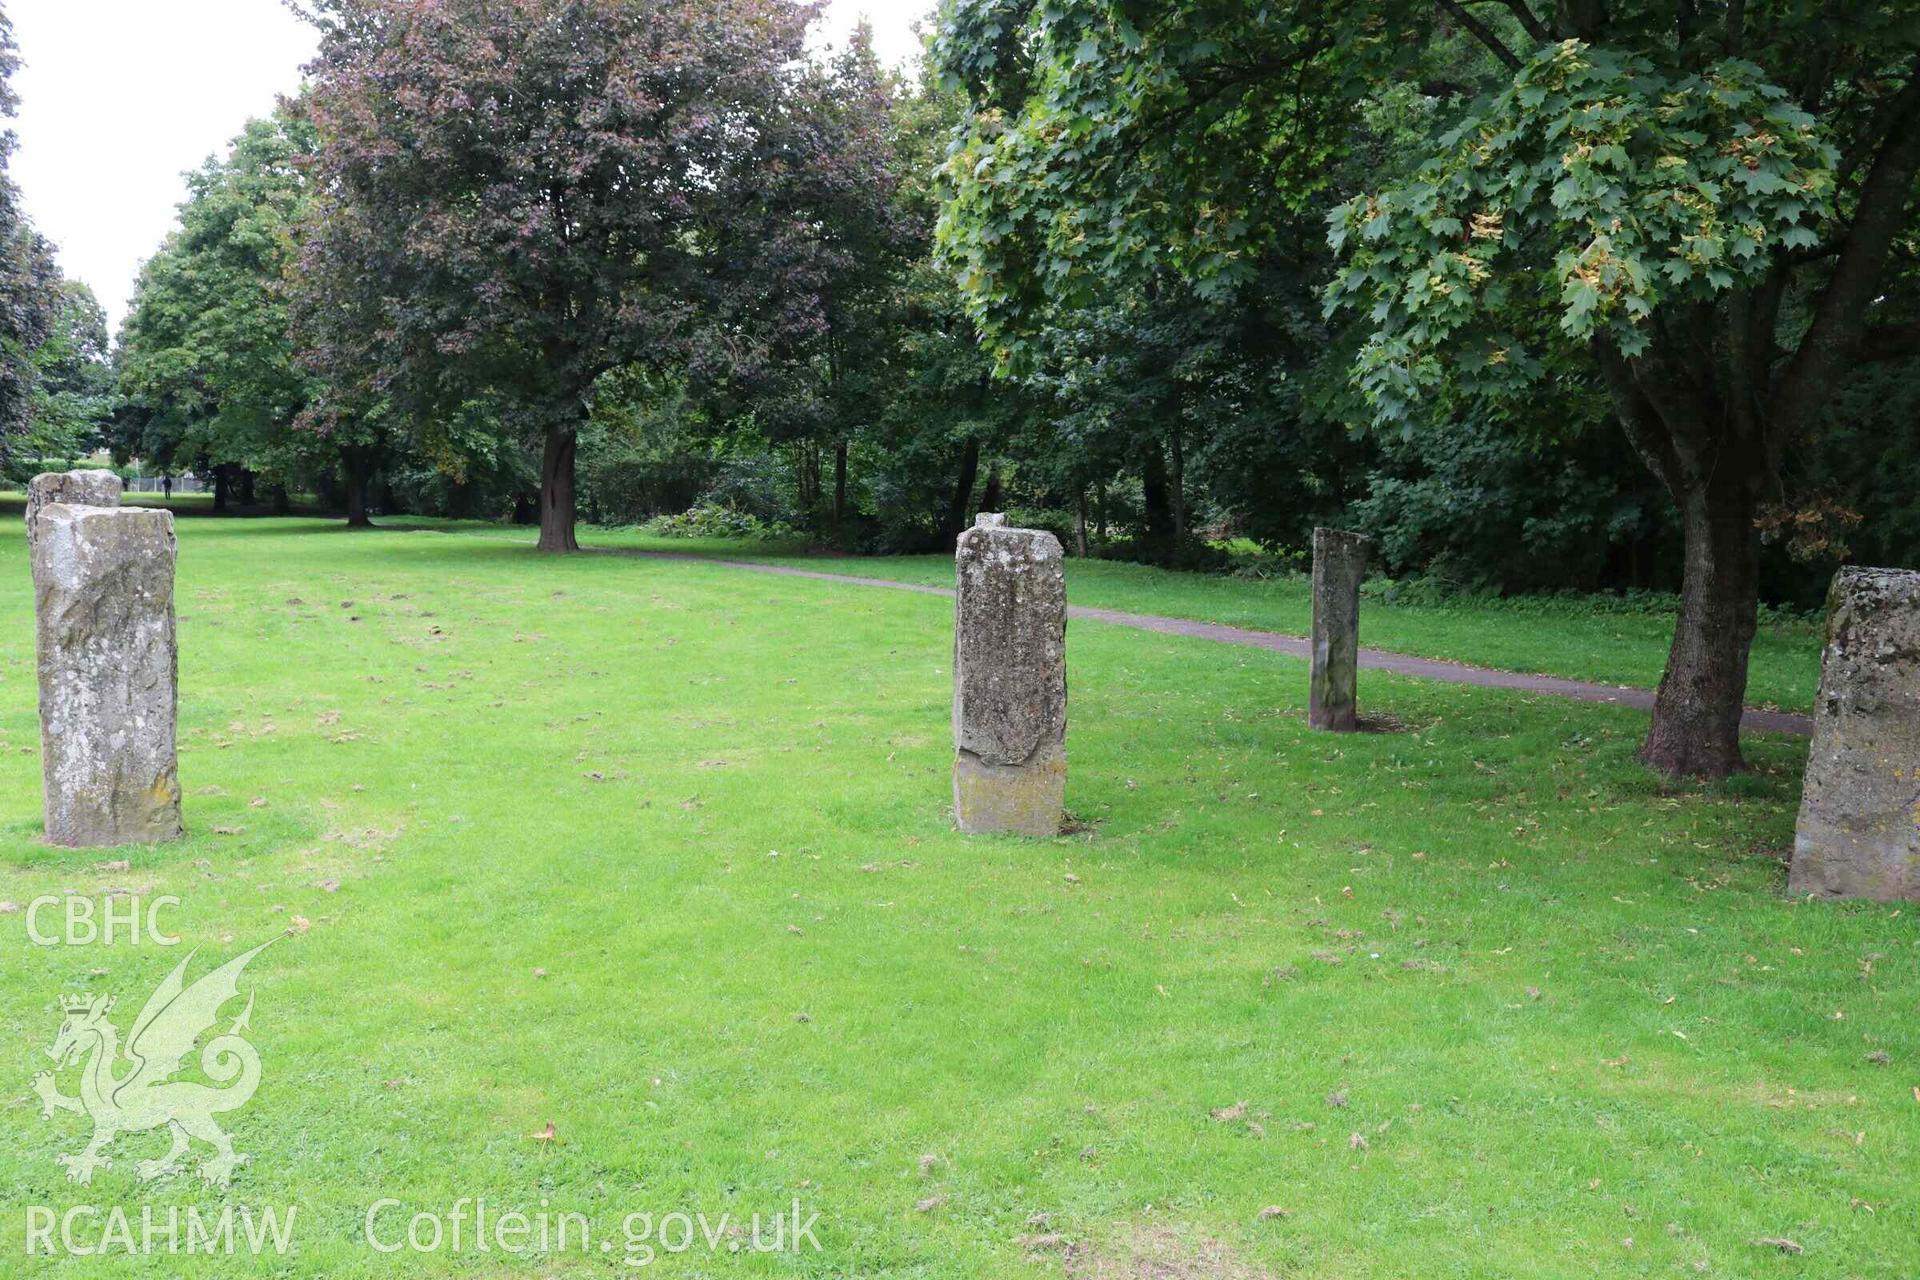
1203, 90
1865, 145
1534, 27
1645, 427
1481, 32
1524, 16
1840, 317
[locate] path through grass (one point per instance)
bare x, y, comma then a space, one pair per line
1572, 636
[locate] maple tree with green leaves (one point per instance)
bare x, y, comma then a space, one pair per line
1702, 211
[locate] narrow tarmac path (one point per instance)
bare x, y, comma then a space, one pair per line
1400, 664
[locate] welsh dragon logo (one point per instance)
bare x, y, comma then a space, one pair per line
131, 1090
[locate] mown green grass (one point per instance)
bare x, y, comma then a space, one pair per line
1568, 1008
1572, 637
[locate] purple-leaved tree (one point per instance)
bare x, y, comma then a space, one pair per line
513, 197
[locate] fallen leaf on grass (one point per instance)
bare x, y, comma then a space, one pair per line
927, 1162
330, 886
1273, 1211
1781, 1243
546, 1135
8, 908
299, 924
1046, 1240
118, 864
229, 831
928, 1205
1357, 1142
1227, 1115
258, 802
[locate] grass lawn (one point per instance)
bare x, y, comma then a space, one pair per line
1561, 637
657, 852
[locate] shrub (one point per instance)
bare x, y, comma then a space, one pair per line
713, 520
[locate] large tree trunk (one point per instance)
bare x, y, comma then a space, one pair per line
1705, 445
806, 477
557, 511
1156, 503
958, 517
839, 484
220, 481
1177, 484
357, 466
993, 497
1696, 715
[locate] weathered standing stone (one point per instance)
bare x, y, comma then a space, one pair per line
103, 598
75, 488
1339, 563
1009, 680
1859, 830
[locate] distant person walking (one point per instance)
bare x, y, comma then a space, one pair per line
166, 485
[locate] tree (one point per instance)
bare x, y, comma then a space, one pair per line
73, 377
939, 424
816, 383
206, 365
517, 196
1690, 205
30, 293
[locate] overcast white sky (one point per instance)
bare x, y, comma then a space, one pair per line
119, 98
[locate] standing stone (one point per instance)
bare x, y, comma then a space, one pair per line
75, 488
103, 599
1009, 680
1339, 563
1859, 830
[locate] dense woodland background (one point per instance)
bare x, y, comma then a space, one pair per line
658, 261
